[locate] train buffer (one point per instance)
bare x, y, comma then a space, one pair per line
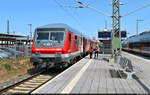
126, 64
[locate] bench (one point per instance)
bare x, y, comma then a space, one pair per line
126, 64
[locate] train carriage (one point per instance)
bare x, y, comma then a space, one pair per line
139, 44
57, 45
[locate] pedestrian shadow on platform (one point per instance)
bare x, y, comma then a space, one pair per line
102, 59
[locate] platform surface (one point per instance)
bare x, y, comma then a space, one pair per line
99, 76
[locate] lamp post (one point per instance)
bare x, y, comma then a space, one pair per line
30, 25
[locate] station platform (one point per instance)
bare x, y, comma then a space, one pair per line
99, 76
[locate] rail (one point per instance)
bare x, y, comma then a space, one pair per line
29, 84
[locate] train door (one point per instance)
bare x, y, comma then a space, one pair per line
70, 42
81, 40
76, 43
84, 44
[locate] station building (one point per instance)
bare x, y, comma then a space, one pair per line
11, 39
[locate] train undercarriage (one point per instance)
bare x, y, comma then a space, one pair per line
57, 61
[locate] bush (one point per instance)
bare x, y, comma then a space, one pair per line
8, 67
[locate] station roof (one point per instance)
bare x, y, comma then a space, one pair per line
7, 37
11, 35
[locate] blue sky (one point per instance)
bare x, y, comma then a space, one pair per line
42, 12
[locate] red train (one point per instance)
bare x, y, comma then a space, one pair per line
58, 45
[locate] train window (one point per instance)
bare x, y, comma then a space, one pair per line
70, 37
56, 36
146, 44
76, 43
42, 36
51, 29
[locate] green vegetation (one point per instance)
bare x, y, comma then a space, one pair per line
8, 67
12, 68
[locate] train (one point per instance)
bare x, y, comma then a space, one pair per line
138, 43
58, 44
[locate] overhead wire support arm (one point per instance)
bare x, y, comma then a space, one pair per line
72, 6
99, 11
87, 6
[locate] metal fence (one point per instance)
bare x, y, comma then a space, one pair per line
15, 51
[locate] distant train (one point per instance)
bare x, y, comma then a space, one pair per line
58, 45
138, 44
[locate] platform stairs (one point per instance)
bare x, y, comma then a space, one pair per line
107, 47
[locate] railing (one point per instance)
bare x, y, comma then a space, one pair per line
15, 51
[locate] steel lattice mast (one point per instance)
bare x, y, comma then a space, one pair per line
116, 33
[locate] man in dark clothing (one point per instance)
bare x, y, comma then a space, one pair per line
97, 50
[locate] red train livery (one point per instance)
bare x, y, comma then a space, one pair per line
58, 45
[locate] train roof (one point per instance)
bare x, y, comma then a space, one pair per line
144, 36
144, 32
62, 25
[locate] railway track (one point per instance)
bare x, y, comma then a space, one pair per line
30, 84
27, 86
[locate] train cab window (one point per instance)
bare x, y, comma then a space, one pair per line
57, 36
70, 37
76, 43
42, 36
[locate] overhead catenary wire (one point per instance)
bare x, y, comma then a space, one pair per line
69, 14
93, 1
65, 10
147, 5
77, 15
103, 13
146, 0
87, 6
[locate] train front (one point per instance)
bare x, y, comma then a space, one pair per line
48, 47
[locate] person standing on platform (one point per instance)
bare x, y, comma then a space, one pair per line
91, 51
97, 50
